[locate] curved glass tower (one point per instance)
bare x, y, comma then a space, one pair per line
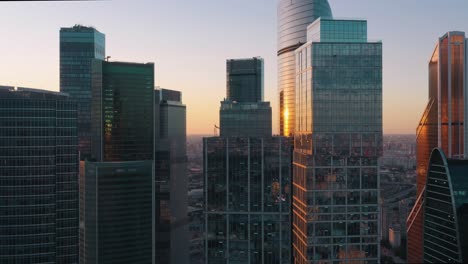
293, 18
445, 237
442, 123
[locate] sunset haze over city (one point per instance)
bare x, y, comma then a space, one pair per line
189, 42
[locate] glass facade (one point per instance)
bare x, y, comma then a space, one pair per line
117, 227
244, 79
445, 210
337, 145
247, 199
245, 119
122, 114
38, 177
171, 219
293, 18
329, 30
442, 123
79, 45
116, 186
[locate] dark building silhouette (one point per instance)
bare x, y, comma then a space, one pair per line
171, 219
38, 177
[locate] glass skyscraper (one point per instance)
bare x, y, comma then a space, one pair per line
445, 236
245, 119
171, 219
243, 112
117, 212
122, 116
293, 18
441, 125
247, 199
244, 80
38, 177
116, 184
337, 144
247, 183
79, 45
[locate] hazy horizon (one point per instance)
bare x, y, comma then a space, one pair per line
189, 42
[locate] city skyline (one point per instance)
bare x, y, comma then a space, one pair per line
194, 35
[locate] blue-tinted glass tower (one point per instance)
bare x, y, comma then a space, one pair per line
38, 177
79, 45
337, 144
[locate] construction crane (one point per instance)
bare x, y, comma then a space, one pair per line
215, 128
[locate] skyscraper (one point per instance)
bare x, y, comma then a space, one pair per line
171, 216
247, 199
293, 18
79, 45
245, 119
337, 144
441, 125
38, 177
247, 177
445, 236
122, 116
243, 112
116, 187
244, 79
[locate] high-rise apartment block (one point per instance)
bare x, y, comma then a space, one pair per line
337, 144
293, 18
38, 177
171, 187
244, 80
79, 45
441, 125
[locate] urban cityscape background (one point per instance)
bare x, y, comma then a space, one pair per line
287, 131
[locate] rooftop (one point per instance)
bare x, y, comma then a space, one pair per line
30, 90
78, 28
